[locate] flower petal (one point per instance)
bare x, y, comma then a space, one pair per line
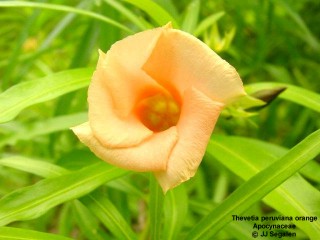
197, 120
117, 86
180, 60
150, 155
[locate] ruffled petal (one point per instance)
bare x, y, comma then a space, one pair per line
150, 155
197, 120
117, 85
180, 60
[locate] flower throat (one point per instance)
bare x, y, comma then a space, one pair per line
158, 112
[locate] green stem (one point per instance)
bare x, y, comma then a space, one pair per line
155, 208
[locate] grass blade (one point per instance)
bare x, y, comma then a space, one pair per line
37, 167
258, 187
155, 209
31, 202
64, 8
207, 22
109, 215
175, 212
287, 198
23, 234
191, 18
129, 14
156, 12
25, 94
96, 202
51, 125
87, 222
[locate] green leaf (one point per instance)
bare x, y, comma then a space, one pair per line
37, 167
126, 186
51, 125
31, 202
259, 186
96, 202
175, 212
108, 214
25, 94
128, 13
311, 170
155, 209
87, 222
157, 13
239, 230
293, 93
191, 18
65, 221
287, 198
8, 233
207, 22
64, 8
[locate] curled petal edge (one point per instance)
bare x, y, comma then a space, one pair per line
151, 155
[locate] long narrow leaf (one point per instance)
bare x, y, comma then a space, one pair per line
95, 202
207, 22
156, 12
103, 208
87, 222
175, 212
126, 12
40, 168
258, 187
54, 124
31, 202
287, 198
63, 8
155, 209
28, 93
191, 18
7, 233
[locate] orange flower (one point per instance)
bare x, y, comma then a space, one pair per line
154, 100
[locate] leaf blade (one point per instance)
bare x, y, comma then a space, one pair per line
258, 186
26, 94
23, 234
31, 202
64, 8
37, 167
175, 212
108, 214
155, 208
156, 12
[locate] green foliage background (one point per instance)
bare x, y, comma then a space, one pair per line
264, 163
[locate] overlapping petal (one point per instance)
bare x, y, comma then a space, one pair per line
198, 117
118, 83
180, 60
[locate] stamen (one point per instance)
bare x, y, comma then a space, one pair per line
158, 112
